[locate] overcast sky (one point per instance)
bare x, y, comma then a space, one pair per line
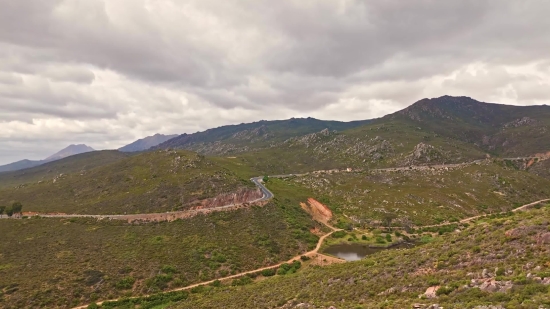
108, 72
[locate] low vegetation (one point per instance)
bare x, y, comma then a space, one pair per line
66, 262
150, 182
409, 198
73, 164
501, 260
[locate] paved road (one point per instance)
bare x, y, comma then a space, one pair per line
266, 195
258, 181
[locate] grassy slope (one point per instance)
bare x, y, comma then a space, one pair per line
426, 197
246, 136
149, 182
72, 164
496, 128
372, 145
395, 278
60, 263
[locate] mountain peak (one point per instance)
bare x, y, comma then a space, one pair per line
146, 143
70, 150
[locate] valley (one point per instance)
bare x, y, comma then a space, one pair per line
247, 216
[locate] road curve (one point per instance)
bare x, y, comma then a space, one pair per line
296, 258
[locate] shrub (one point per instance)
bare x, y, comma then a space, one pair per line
339, 234
268, 272
444, 290
125, 283
168, 269
364, 237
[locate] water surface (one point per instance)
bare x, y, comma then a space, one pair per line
355, 252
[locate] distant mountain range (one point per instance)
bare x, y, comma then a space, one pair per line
146, 143
252, 136
64, 153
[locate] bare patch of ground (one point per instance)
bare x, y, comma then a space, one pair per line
317, 210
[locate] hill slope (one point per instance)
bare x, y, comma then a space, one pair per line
250, 136
503, 130
502, 261
73, 164
146, 143
150, 182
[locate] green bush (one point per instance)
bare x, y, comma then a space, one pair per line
339, 234
268, 272
168, 269
444, 290
125, 283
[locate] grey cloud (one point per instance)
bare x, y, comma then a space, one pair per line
137, 67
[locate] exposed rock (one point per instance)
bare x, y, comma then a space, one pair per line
431, 292
520, 122
493, 286
424, 153
543, 239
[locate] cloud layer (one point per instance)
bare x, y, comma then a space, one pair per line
105, 73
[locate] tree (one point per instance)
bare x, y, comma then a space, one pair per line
2, 208
265, 179
387, 219
17, 208
9, 211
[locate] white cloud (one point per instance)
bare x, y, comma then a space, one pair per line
108, 72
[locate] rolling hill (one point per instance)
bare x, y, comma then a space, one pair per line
244, 137
496, 262
150, 182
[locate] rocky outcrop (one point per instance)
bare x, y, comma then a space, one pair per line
424, 153
525, 121
243, 195
431, 292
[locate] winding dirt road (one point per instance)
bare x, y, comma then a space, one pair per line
466, 220
296, 258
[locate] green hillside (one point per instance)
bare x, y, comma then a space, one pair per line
244, 137
500, 261
72, 164
425, 196
394, 143
61, 263
503, 130
150, 182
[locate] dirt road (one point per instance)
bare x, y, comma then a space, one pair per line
296, 258
481, 216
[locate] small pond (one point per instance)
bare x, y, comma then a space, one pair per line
355, 252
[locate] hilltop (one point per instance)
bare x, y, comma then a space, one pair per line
157, 181
244, 137
146, 143
503, 130
48, 171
